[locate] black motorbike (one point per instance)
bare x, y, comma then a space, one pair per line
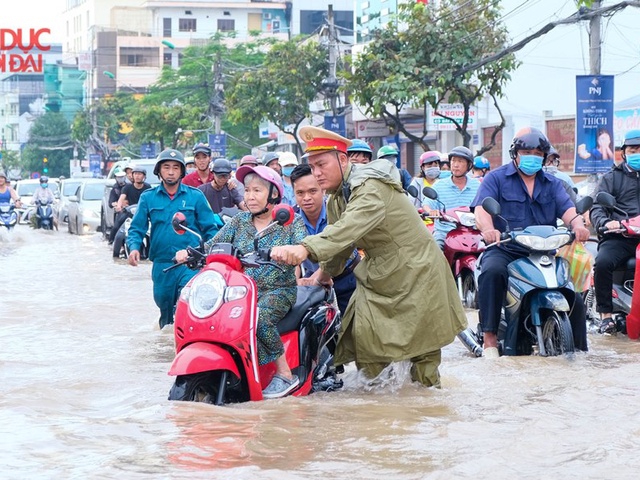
120, 247
44, 214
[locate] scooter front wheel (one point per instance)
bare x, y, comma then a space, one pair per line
557, 334
469, 291
217, 387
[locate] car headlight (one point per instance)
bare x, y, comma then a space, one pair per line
543, 244
467, 219
206, 293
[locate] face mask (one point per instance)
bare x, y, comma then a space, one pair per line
286, 171
633, 160
44, 185
552, 169
530, 164
431, 172
445, 174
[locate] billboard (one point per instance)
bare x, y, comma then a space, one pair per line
594, 123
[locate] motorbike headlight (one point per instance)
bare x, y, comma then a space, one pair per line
542, 244
206, 293
467, 219
634, 229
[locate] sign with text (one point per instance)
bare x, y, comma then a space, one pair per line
453, 111
21, 50
594, 123
94, 164
148, 150
218, 144
335, 123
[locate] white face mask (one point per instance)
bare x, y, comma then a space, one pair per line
552, 169
431, 172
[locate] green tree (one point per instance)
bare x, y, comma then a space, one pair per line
410, 64
50, 137
281, 89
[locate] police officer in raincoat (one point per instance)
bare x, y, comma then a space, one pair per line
405, 306
157, 206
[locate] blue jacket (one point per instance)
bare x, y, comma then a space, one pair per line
157, 207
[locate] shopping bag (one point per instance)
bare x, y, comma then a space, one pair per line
580, 264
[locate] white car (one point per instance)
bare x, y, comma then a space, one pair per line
68, 187
84, 207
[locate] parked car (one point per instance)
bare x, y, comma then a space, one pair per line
25, 190
68, 187
106, 210
84, 207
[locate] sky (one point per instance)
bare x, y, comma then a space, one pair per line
546, 79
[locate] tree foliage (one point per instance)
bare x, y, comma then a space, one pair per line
50, 137
281, 89
409, 65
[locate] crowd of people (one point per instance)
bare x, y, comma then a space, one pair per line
358, 230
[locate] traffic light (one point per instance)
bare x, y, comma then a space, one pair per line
45, 165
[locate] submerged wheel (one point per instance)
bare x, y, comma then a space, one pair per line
118, 246
204, 387
557, 334
469, 291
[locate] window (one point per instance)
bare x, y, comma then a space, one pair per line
187, 24
226, 25
138, 57
166, 59
166, 27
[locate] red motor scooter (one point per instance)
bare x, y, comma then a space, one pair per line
216, 321
626, 303
462, 247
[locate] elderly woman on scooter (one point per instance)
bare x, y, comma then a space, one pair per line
276, 288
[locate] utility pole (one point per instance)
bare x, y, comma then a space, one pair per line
595, 51
330, 84
216, 104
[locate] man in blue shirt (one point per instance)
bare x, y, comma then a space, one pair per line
458, 190
313, 210
157, 207
527, 197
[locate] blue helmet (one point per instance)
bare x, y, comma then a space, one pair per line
481, 163
631, 138
358, 145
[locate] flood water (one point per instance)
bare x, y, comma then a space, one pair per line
84, 395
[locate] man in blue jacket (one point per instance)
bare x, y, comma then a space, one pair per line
157, 206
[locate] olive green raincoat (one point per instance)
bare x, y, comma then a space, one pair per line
405, 303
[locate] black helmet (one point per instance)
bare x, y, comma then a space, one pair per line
44, 179
462, 152
270, 157
170, 154
221, 165
529, 138
138, 169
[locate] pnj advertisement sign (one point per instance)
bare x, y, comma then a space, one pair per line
218, 144
595, 150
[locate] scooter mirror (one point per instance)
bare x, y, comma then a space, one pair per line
430, 193
178, 222
413, 191
584, 204
491, 206
283, 214
606, 200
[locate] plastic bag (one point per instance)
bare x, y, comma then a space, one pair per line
580, 264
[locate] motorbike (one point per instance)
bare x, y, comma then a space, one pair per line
120, 247
536, 312
462, 247
8, 216
44, 215
216, 320
429, 220
626, 307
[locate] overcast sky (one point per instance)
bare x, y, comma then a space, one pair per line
545, 81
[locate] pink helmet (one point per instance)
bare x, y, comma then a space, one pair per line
430, 156
266, 173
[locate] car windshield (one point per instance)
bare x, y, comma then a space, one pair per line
28, 189
70, 188
93, 191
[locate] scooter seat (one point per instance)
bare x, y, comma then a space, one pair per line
307, 297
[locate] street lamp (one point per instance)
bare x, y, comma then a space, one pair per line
112, 76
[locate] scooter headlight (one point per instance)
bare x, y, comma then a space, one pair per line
543, 244
467, 219
206, 293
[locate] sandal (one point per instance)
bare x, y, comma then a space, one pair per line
607, 326
280, 386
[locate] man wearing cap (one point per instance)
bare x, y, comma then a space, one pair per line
202, 174
389, 318
218, 192
288, 162
270, 159
157, 207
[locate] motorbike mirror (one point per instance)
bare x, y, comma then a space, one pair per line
584, 204
179, 222
430, 193
491, 206
413, 191
283, 214
606, 200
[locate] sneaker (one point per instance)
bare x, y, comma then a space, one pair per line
607, 326
280, 386
491, 353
